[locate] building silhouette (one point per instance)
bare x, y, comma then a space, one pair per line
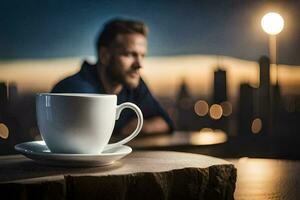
264, 95
220, 86
12, 92
220, 96
184, 105
277, 110
246, 109
3, 100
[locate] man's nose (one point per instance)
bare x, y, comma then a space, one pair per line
138, 61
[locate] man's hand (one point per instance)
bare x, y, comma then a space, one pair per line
150, 126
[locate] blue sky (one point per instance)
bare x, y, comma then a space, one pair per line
56, 28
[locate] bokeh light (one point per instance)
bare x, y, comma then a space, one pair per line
4, 132
207, 136
216, 111
227, 108
272, 23
256, 125
201, 108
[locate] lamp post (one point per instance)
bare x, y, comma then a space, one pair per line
272, 23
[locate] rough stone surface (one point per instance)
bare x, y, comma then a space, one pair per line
155, 175
216, 182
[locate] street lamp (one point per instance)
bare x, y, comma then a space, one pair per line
272, 23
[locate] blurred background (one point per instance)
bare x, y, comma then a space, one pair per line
210, 65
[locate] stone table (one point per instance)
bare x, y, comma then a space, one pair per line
140, 175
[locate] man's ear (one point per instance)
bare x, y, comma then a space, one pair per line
104, 55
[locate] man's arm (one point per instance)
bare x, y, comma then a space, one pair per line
152, 125
156, 119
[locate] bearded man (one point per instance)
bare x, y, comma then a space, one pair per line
121, 49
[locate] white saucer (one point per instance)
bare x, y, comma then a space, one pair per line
38, 151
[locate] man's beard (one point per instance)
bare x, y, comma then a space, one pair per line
116, 76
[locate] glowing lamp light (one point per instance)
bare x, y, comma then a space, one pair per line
272, 23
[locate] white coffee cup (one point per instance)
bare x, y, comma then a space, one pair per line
81, 123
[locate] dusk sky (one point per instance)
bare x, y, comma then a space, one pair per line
56, 28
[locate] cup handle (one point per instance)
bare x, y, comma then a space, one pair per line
139, 114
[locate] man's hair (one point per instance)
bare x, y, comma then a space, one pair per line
118, 26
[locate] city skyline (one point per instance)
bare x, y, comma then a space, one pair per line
40, 75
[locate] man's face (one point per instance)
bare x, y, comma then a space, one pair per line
125, 58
